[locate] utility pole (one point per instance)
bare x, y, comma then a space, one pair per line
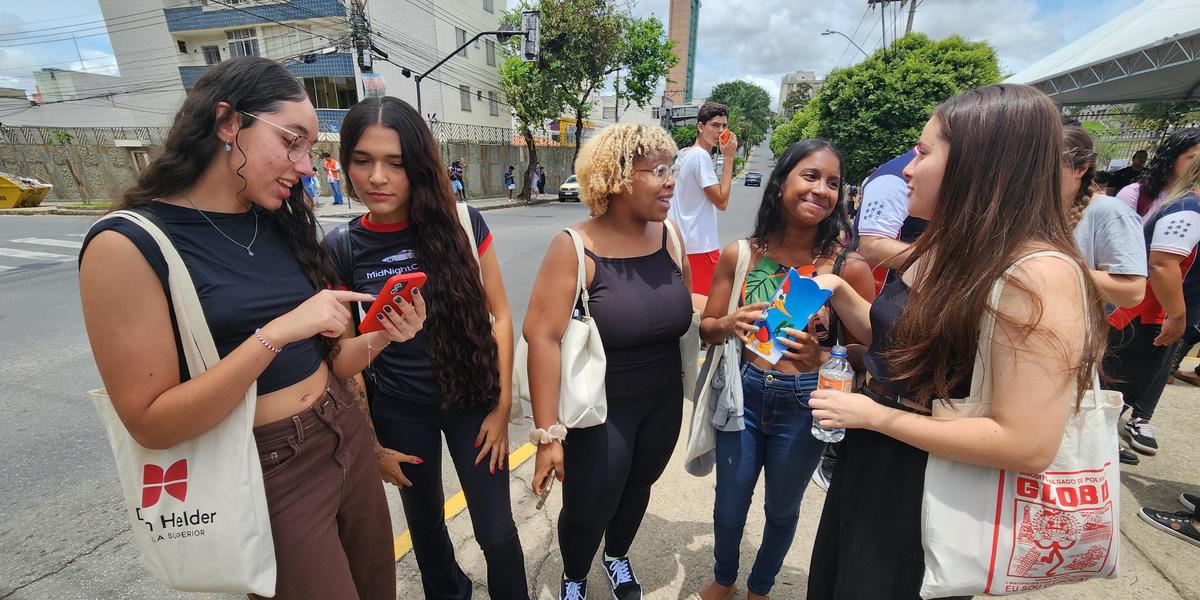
912, 12
883, 17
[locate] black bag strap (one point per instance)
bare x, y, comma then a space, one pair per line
835, 324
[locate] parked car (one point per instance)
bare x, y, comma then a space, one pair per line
754, 178
569, 190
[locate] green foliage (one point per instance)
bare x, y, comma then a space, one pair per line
646, 57
875, 110
738, 163
685, 135
749, 110
802, 125
798, 98
1164, 114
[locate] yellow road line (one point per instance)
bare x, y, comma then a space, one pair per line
403, 542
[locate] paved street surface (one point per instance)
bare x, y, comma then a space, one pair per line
64, 535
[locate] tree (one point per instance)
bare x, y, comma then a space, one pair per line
875, 109
1163, 115
802, 125
646, 57
749, 110
534, 97
797, 98
684, 135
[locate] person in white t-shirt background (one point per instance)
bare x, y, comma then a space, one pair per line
700, 193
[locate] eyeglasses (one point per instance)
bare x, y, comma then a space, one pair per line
661, 171
299, 146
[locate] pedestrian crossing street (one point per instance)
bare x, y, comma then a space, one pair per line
26, 253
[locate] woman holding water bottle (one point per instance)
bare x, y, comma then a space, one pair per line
800, 225
986, 175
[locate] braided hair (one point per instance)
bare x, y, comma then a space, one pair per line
1078, 153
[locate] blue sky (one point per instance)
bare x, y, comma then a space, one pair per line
756, 40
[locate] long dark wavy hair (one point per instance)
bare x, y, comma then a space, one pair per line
1000, 194
457, 324
1155, 176
770, 223
250, 85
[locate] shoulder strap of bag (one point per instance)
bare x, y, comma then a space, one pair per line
739, 274
835, 323
199, 349
675, 243
983, 354
464, 221
580, 273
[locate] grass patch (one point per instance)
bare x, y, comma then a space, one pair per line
93, 205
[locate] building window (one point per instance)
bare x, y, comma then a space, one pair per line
460, 38
242, 42
464, 98
331, 92
654, 112
182, 46
491, 52
489, 6
493, 105
610, 113
212, 54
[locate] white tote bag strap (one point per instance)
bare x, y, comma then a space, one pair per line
199, 349
983, 353
580, 273
675, 243
464, 221
739, 275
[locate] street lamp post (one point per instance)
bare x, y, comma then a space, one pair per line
831, 32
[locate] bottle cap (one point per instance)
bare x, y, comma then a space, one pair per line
839, 351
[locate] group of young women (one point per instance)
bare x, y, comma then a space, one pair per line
989, 174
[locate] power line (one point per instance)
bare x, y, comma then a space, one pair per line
144, 12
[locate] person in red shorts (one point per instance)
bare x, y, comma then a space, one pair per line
700, 193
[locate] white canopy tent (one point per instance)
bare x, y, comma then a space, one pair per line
1151, 52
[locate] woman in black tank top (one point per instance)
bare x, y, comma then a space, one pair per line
639, 298
226, 190
986, 175
801, 223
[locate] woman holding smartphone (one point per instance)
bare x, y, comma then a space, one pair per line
227, 190
454, 377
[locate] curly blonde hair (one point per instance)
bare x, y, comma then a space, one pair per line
605, 164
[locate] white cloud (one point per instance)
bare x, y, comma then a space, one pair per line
762, 40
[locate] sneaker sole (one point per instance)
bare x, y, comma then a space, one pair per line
1147, 450
1135, 462
1186, 504
1163, 528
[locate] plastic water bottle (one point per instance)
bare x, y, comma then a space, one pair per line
835, 374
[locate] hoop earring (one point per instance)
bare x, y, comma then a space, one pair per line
228, 147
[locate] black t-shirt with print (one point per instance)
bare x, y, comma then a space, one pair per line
402, 371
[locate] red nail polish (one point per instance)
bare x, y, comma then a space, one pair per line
418, 461
478, 444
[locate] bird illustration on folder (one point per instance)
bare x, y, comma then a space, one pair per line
796, 301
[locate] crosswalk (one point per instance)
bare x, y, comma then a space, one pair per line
29, 253
21, 254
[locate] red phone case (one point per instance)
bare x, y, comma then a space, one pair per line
724, 139
401, 286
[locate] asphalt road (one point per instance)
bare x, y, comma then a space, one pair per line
62, 529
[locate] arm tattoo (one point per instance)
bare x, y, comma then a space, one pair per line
359, 392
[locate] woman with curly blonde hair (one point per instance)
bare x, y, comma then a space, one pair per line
637, 285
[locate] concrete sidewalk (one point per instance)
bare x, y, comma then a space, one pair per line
673, 552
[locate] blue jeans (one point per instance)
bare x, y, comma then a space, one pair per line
336, 186
776, 439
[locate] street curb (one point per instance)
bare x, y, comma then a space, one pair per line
77, 212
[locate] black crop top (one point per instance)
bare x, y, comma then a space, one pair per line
885, 311
641, 307
238, 292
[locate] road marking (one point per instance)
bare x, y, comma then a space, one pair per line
49, 242
76, 235
4, 268
403, 542
15, 253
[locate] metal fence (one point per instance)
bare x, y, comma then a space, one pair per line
462, 132
86, 136
1122, 144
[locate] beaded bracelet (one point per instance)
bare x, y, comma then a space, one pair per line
264, 342
556, 432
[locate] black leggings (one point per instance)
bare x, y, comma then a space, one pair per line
608, 470
417, 429
1137, 368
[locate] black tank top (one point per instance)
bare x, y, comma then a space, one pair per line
238, 292
885, 311
641, 307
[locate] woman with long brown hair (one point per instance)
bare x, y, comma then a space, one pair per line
227, 191
454, 377
986, 175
